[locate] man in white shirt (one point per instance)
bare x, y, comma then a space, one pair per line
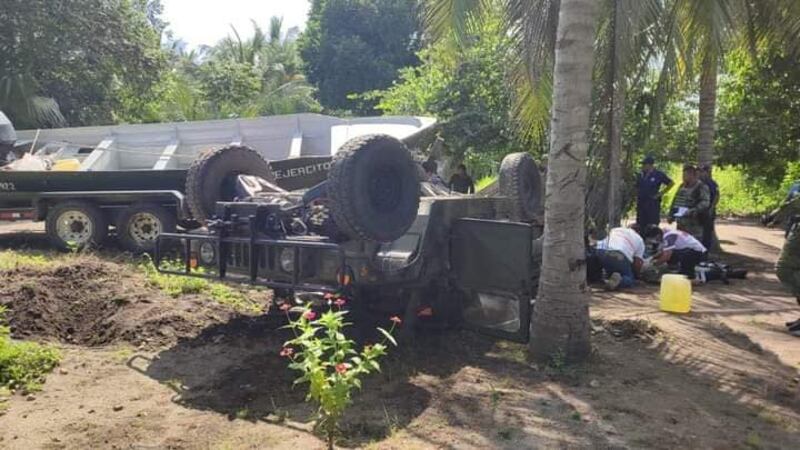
621, 254
677, 248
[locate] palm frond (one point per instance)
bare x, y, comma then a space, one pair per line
532, 26
19, 96
275, 29
454, 18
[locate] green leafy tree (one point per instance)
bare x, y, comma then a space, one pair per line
759, 111
467, 91
79, 61
229, 85
354, 46
703, 32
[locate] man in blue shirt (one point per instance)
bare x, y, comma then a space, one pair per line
651, 184
713, 187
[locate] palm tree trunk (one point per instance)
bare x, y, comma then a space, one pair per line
617, 88
708, 105
560, 322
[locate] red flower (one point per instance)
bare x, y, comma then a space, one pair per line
287, 351
341, 368
309, 315
285, 307
396, 320
340, 302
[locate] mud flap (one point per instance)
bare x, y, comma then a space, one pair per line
492, 266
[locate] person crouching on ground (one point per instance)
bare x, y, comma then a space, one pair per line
677, 248
788, 267
621, 254
691, 204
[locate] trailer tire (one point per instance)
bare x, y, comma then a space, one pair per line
76, 225
212, 176
373, 188
521, 182
139, 225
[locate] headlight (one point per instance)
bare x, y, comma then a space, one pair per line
208, 253
286, 260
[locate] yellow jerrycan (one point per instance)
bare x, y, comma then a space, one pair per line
676, 294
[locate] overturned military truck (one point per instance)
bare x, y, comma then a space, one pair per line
372, 228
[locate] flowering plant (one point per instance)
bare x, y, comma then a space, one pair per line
328, 360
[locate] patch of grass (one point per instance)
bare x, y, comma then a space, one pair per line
777, 419
12, 259
483, 182
176, 285
576, 416
172, 285
226, 295
123, 354
243, 414
23, 365
512, 351
5, 394
753, 440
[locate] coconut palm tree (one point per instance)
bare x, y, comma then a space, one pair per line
626, 41
20, 99
708, 29
561, 314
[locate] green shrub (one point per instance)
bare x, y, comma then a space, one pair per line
328, 361
23, 365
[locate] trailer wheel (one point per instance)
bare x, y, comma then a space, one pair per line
139, 226
76, 225
212, 177
373, 188
521, 183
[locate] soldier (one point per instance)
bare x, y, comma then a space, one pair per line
788, 208
788, 267
691, 204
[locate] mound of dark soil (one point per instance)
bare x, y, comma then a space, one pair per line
93, 302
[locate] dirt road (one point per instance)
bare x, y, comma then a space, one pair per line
724, 376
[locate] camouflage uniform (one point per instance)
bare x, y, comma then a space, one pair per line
788, 266
790, 207
697, 198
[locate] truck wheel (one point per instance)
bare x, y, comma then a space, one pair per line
139, 226
76, 225
212, 177
521, 183
373, 188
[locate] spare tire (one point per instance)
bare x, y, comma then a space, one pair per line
212, 177
521, 182
373, 188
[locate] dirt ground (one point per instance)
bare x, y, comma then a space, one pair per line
724, 376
